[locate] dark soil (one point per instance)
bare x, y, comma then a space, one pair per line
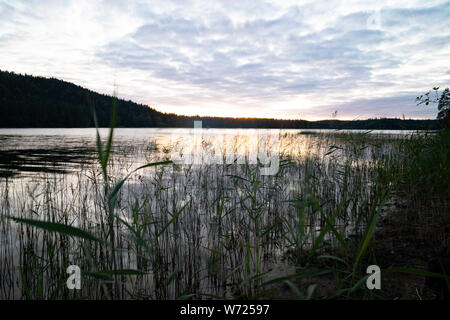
408, 235
412, 237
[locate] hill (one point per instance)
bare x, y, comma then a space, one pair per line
31, 102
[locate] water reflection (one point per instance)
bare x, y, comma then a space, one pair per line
27, 151
57, 160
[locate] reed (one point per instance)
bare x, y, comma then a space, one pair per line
171, 231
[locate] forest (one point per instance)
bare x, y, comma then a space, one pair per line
36, 102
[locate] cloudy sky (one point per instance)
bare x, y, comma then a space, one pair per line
282, 59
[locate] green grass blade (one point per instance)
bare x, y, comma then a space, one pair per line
306, 274
175, 216
295, 289
111, 133
368, 233
332, 258
97, 137
419, 272
98, 276
57, 227
152, 165
112, 197
123, 272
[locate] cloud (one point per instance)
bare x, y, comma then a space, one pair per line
239, 58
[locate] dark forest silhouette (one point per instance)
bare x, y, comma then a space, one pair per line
30, 102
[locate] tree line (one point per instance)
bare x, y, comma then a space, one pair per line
30, 102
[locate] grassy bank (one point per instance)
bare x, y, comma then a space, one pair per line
418, 233
412, 237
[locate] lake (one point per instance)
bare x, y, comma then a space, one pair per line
59, 150
235, 209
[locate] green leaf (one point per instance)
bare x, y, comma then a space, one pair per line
98, 140
328, 227
254, 276
332, 257
112, 198
153, 164
295, 289
123, 272
370, 229
57, 227
236, 177
111, 132
175, 216
98, 276
359, 283
310, 291
306, 274
418, 272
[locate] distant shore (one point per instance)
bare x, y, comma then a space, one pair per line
37, 102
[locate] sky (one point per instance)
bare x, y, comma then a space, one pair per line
239, 58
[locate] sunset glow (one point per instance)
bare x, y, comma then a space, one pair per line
290, 59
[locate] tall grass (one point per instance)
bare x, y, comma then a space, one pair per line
168, 231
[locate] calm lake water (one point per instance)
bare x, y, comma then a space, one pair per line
25, 152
